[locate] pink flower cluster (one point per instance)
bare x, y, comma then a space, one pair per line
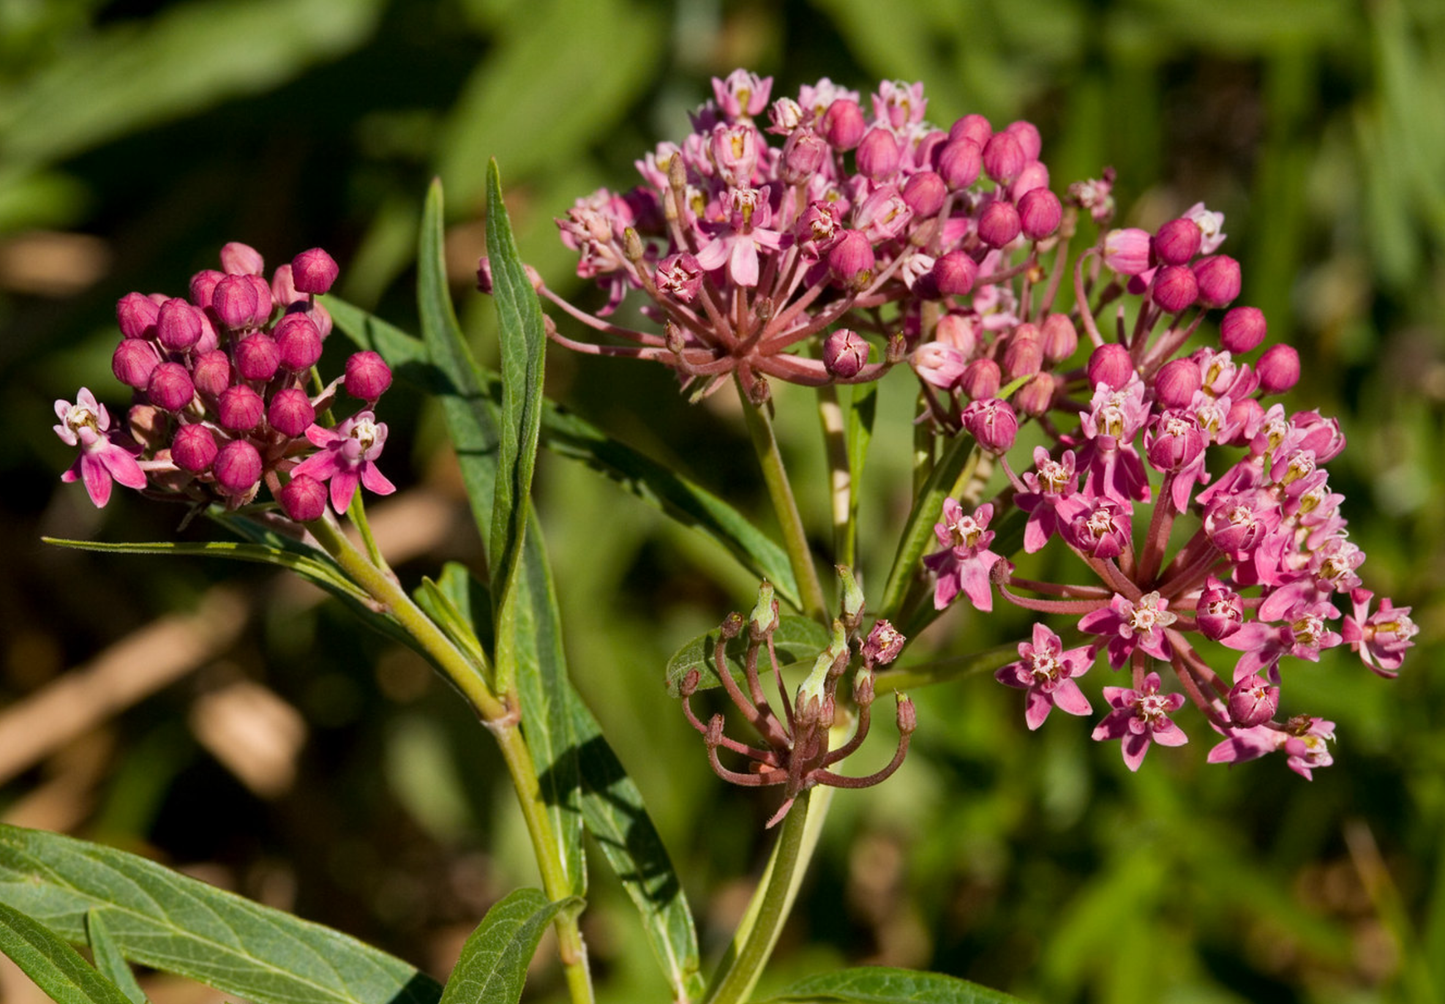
220, 402
829, 220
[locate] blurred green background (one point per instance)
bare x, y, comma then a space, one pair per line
249, 733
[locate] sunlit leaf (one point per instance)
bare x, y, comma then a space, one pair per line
887, 985
55, 967
493, 963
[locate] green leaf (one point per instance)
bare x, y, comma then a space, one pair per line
886, 985
862, 411
493, 963
108, 957
797, 639
455, 623
571, 436
615, 814
55, 967
165, 920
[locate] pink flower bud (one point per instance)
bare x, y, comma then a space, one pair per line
321, 317
878, 154
170, 387
1176, 383
314, 271
1177, 241
240, 408
283, 286
1060, 337
241, 259
924, 193
1174, 288
203, 287
1219, 612
993, 423
1253, 701
234, 301
1028, 137
133, 362
298, 342
290, 412
958, 331
1109, 364
1127, 251
1040, 213
851, 260
485, 282
1219, 280
960, 163
257, 357
237, 467
178, 325
1003, 157
212, 372
1024, 355
971, 127
1278, 369
367, 376
981, 380
998, 224
194, 448
136, 315
1242, 329
954, 273
1033, 177
803, 154
303, 498
845, 352
264, 302
843, 124
1035, 397
1174, 442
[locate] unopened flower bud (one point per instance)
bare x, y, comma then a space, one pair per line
878, 154
992, 423
981, 380
803, 154
1278, 369
1126, 251
1059, 337
1033, 177
257, 357
194, 448
1219, 612
241, 259
212, 372
485, 282
960, 162
203, 287
845, 352
907, 716
958, 330
1176, 383
843, 124
1040, 213
178, 325
1003, 157
237, 467
971, 127
1242, 329
264, 303
133, 362
283, 286
924, 192
234, 301
1219, 280
240, 408
1028, 137
314, 271
1024, 354
851, 260
1253, 701
170, 387
298, 342
998, 224
290, 412
1035, 397
136, 315
1110, 364
1176, 242
954, 273
367, 376
303, 498
1174, 288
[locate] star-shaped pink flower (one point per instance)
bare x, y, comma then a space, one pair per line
348, 454
86, 424
1047, 672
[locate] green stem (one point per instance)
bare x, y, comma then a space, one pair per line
500, 714
356, 512
752, 945
795, 539
840, 475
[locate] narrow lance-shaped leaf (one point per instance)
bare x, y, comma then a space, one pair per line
55, 967
108, 957
571, 436
493, 964
886, 985
179, 925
